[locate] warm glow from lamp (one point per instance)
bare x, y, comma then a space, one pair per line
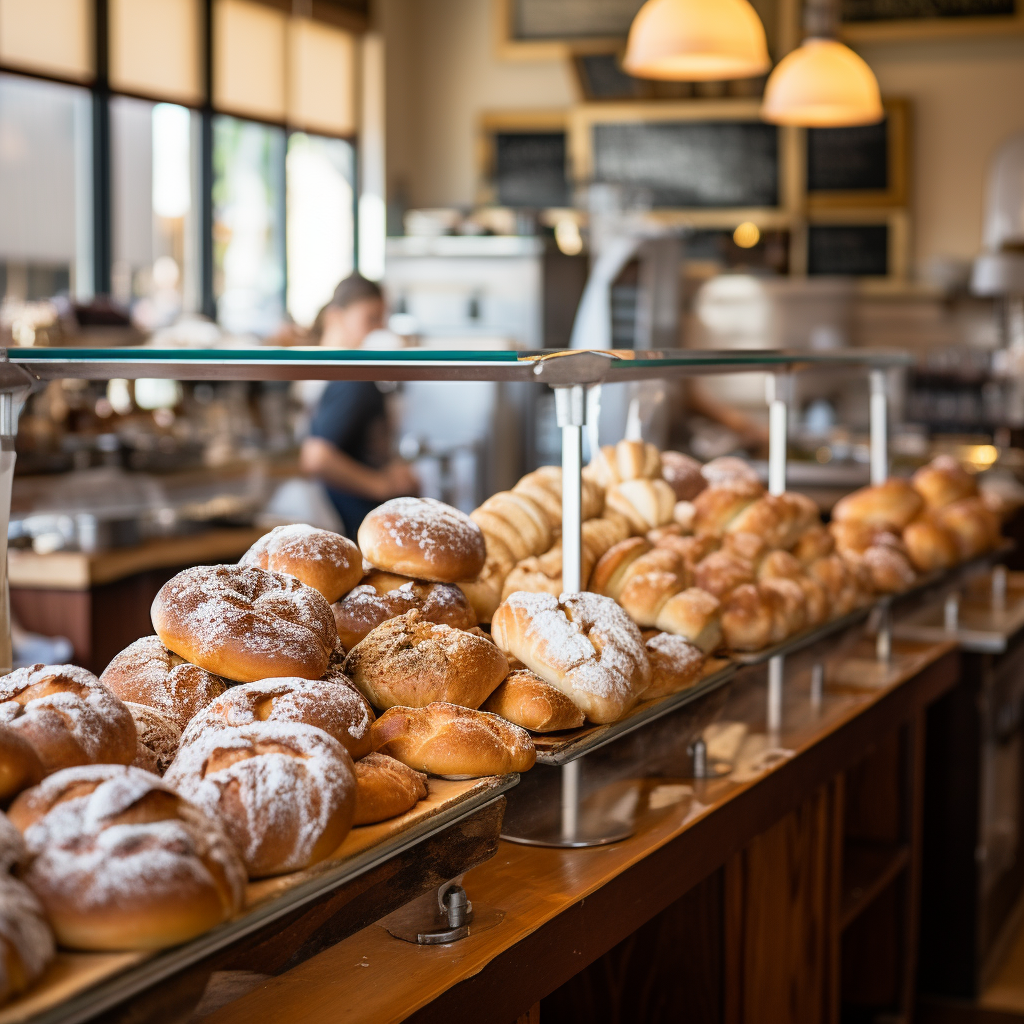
747, 235
696, 41
822, 84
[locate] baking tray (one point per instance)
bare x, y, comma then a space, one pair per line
80, 986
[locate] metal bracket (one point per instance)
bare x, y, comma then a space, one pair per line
435, 919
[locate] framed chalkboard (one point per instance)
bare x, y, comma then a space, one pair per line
529, 169
536, 20
857, 249
690, 164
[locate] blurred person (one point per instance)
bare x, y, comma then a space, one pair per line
349, 444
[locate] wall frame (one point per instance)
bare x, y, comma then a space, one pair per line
932, 28
899, 237
496, 123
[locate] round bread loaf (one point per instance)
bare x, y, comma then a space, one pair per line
693, 614
944, 481
683, 474
326, 561
386, 788
332, 705
676, 664
158, 738
245, 623
785, 597
284, 792
12, 846
453, 741
68, 716
26, 942
423, 538
972, 524
582, 644
891, 571
524, 699
375, 601
409, 662
722, 572
20, 766
747, 619
931, 547
121, 861
890, 505
716, 507
146, 672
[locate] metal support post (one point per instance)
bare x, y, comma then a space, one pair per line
817, 684
883, 639
777, 393
951, 612
14, 388
999, 580
776, 676
879, 441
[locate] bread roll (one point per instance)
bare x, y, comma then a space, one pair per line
944, 481
158, 738
146, 672
779, 565
20, 766
728, 469
324, 560
683, 475
891, 505
816, 603
26, 942
67, 716
684, 515
644, 503
583, 644
245, 623
694, 615
423, 538
409, 662
747, 619
676, 664
716, 507
524, 699
120, 861
627, 460
284, 792
692, 549
973, 526
544, 497
814, 543
613, 566
930, 547
332, 705
370, 604
386, 788
832, 574
453, 741
12, 848
523, 516
722, 572
891, 571
786, 599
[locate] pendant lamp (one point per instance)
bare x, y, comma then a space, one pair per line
696, 41
822, 83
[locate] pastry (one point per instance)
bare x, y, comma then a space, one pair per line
891, 505
676, 664
20, 766
524, 699
158, 738
944, 481
683, 474
326, 561
385, 788
26, 942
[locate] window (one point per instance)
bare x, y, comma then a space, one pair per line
46, 185
154, 171
248, 225
321, 221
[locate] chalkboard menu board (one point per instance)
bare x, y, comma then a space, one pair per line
571, 19
893, 10
711, 164
848, 159
529, 169
603, 79
858, 249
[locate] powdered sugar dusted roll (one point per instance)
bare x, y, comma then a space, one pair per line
158, 738
26, 942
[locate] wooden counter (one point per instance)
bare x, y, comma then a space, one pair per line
745, 896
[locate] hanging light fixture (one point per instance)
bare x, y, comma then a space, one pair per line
696, 41
822, 83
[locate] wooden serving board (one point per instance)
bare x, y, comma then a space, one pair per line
78, 986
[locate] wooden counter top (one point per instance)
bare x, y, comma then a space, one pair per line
76, 570
564, 908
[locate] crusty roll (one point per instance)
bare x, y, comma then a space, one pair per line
145, 672
814, 543
973, 525
840, 587
716, 507
683, 475
120, 861
524, 699
676, 664
747, 619
333, 705
816, 603
930, 546
891, 571
158, 738
410, 662
786, 598
12, 848
518, 520
285, 792
453, 741
245, 623
779, 565
68, 716
944, 481
693, 549
694, 615
26, 942
644, 503
374, 602
583, 644
324, 560
728, 469
890, 505
20, 766
385, 788
627, 460
722, 572
423, 538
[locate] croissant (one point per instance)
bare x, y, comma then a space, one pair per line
645, 504
627, 460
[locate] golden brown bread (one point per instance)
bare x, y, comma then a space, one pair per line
693, 614
324, 560
453, 741
747, 618
67, 715
944, 481
94, 835
716, 507
814, 543
683, 475
146, 672
20, 766
627, 460
727, 469
385, 788
26, 942
524, 699
332, 704
693, 549
583, 644
158, 738
722, 572
284, 792
245, 623
891, 505
518, 520
422, 538
645, 504
410, 662
676, 664
972, 524
786, 598
930, 546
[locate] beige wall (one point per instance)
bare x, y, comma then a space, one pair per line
443, 73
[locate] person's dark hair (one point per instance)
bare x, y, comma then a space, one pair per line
355, 288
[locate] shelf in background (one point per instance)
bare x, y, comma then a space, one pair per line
868, 868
